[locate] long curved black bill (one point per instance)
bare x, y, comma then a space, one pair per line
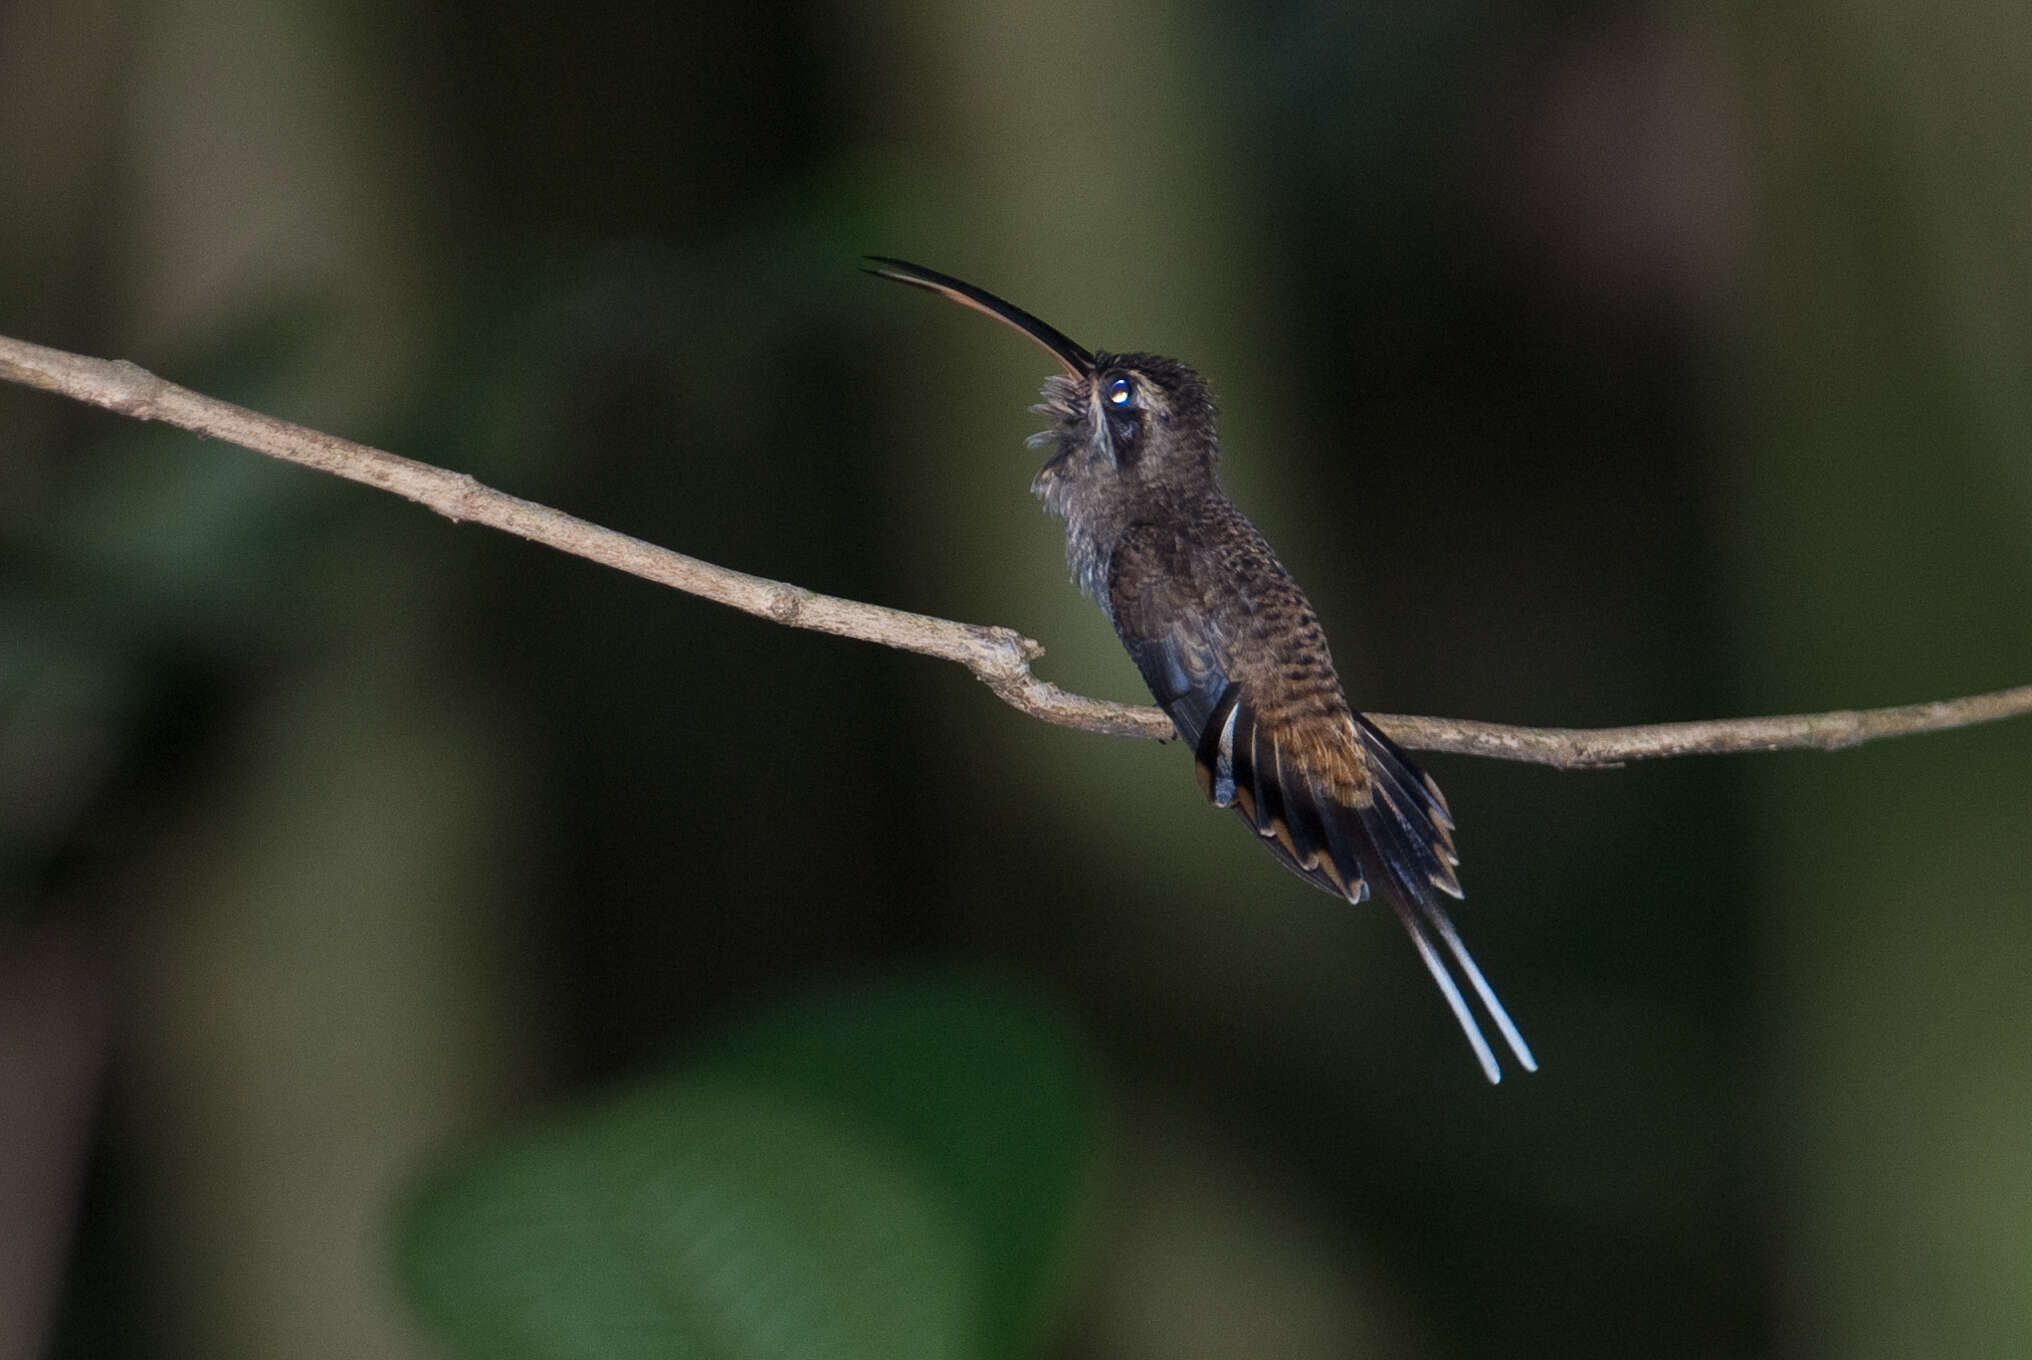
1077, 361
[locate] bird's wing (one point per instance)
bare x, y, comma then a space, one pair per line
1288, 762
1167, 623
1335, 800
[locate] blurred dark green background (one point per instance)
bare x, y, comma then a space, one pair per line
1588, 363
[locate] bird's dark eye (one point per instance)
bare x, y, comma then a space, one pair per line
1125, 420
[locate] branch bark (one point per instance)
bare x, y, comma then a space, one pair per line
999, 657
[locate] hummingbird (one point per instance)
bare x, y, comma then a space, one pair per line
1229, 645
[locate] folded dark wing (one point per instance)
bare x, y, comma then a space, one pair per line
1299, 784
1169, 628
1334, 799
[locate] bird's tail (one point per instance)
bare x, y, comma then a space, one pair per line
1427, 919
1409, 854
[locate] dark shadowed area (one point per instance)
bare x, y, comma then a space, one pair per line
417, 943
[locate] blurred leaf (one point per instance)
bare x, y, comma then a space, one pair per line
886, 1173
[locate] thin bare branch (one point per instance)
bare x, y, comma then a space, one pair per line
999, 657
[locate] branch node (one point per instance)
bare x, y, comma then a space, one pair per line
786, 604
1028, 649
132, 389
469, 494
